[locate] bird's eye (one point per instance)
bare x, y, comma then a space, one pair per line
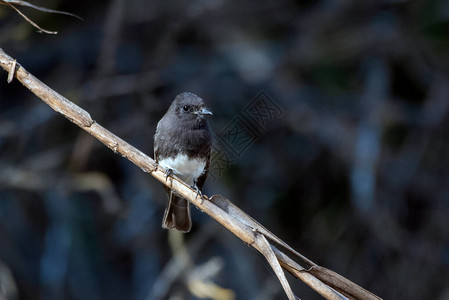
185, 108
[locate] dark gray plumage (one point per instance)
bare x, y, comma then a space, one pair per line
182, 144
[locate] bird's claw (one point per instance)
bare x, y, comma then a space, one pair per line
168, 172
197, 190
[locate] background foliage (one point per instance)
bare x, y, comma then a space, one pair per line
354, 172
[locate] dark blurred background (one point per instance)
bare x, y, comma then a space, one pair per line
331, 124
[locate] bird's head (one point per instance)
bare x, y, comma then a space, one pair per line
188, 106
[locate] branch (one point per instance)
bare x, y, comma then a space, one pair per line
40, 8
327, 283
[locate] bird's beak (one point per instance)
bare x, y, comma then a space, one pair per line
204, 111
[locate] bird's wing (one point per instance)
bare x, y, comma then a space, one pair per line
200, 180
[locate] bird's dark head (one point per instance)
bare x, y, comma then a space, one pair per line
190, 107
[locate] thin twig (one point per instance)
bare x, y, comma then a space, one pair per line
28, 19
322, 280
40, 8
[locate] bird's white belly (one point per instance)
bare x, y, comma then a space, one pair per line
184, 167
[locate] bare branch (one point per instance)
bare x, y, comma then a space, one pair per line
327, 283
43, 9
40, 8
263, 247
27, 19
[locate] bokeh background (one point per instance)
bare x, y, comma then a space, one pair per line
352, 170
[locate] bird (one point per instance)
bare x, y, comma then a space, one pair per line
182, 145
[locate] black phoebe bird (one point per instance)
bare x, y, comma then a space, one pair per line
182, 146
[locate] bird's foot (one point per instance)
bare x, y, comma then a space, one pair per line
197, 190
168, 172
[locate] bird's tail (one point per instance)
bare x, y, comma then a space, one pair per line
177, 214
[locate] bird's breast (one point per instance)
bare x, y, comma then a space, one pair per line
186, 168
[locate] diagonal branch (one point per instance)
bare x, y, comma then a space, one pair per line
327, 283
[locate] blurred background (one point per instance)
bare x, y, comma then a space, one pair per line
331, 124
